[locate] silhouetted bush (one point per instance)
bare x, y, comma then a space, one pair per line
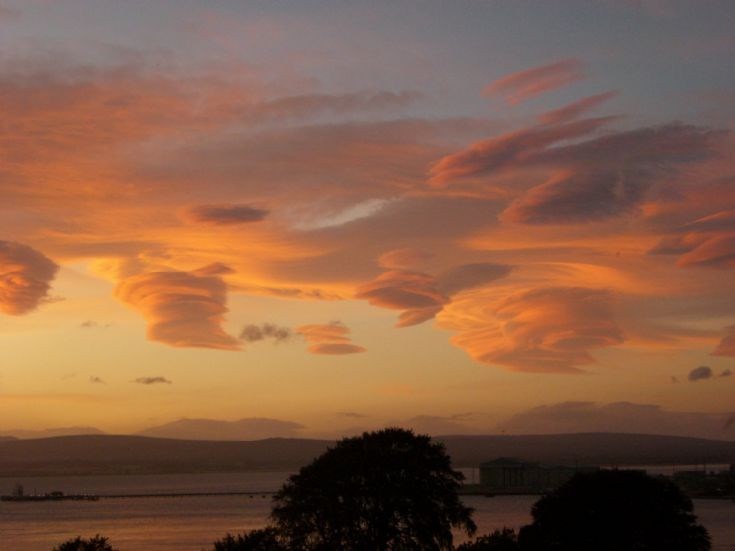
265, 539
97, 543
614, 511
500, 540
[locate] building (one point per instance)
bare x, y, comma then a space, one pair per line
512, 476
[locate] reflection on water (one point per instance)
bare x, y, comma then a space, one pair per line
192, 523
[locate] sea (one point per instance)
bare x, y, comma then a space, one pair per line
193, 523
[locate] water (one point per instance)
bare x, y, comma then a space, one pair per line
193, 523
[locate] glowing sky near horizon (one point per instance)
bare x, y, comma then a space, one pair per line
346, 214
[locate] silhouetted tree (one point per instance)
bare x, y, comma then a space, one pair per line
384, 490
265, 539
614, 511
500, 540
97, 543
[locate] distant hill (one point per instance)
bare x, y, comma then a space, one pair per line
256, 428
137, 454
50, 433
590, 448
6, 438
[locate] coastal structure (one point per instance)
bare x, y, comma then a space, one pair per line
513, 476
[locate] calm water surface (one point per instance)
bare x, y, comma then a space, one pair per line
192, 523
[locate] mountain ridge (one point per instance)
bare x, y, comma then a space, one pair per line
122, 454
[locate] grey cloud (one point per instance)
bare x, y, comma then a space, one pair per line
224, 215
700, 373
152, 380
254, 333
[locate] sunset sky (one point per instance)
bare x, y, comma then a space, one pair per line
347, 214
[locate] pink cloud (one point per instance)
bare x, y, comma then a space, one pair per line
575, 109
25, 278
518, 87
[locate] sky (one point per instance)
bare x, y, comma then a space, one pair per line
458, 216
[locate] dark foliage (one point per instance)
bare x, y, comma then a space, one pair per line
614, 511
265, 539
384, 490
500, 540
97, 543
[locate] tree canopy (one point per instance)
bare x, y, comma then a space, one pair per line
614, 511
384, 490
97, 543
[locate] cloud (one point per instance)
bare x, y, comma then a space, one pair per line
518, 87
586, 180
625, 417
542, 330
405, 258
152, 380
512, 150
182, 309
336, 348
254, 333
578, 197
727, 344
469, 276
422, 296
25, 278
224, 215
573, 110
351, 414
413, 292
707, 242
329, 338
96, 380
91, 324
700, 373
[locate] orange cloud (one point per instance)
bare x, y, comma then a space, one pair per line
727, 344
707, 242
25, 278
422, 296
329, 338
405, 258
518, 87
182, 309
544, 330
512, 150
413, 292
